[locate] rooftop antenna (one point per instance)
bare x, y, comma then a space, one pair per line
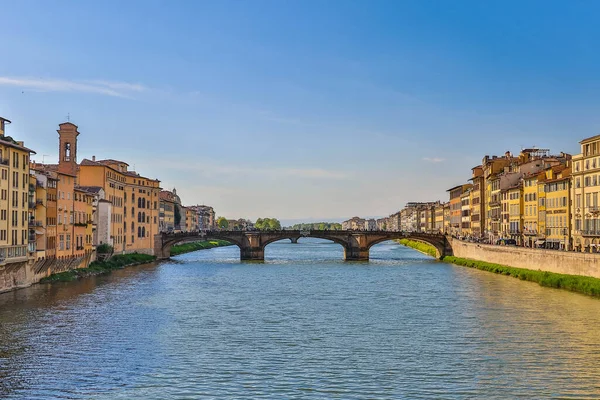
68, 117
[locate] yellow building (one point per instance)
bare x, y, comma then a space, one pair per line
82, 221
39, 216
585, 189
141, 211
465, 201
557, 188
190, 219
14, 202
439, 218
531, 234
541, 194
477, 202
169, 207
514, 208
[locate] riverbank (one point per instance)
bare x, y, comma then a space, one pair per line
195, 246
100, 267
574, 283
126, 260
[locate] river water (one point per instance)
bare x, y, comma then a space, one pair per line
303, 325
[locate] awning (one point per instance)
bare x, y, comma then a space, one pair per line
39, 232
540, 241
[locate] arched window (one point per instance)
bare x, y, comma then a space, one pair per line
143, 231
143, 217
132, 227
139, 202
133, 198
143, 203
132, 212
139, 232
139, 216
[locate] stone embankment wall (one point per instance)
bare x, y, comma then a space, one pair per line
23, 274
560, 262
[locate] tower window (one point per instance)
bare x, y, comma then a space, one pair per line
67, 151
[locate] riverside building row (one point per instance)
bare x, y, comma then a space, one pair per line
52, 214
535, 199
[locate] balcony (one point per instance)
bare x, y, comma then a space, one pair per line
12, 254
79, 248
35, 223
39, 202
3, 161
31, 188
591, 232
31, 204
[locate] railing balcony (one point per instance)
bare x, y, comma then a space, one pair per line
590, 232
39, 184
39, 202
3, 161
31, 204
31, 188
35, 223
79, 248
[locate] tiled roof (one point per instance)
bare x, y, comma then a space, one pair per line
90, 189
111, 161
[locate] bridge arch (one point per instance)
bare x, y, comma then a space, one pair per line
163, 250
437, 241
356, 244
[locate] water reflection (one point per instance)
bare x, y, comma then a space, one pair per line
304, 324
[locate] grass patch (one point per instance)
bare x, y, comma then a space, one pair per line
574, 283
420, 246
194, 246
100, 267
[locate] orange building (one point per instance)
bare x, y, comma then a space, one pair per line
109, 175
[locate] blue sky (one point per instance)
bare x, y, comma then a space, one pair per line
302, 109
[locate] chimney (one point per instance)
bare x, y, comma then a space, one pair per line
3, 122
93, 158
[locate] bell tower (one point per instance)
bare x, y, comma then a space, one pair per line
67, 148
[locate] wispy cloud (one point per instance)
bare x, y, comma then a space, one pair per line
107, 88
433, 160
212, 169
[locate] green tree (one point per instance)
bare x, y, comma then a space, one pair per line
222, 223
267, 224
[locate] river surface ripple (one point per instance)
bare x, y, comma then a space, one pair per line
303, 325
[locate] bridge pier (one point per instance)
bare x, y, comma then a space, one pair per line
252, 253
294, 240
356, 254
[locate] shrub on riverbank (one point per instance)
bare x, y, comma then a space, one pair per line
100, 267
194, 246
573, 283
420, 246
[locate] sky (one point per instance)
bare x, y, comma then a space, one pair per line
301, 110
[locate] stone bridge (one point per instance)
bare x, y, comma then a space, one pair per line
252, 244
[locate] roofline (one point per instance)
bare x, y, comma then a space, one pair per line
16, 146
